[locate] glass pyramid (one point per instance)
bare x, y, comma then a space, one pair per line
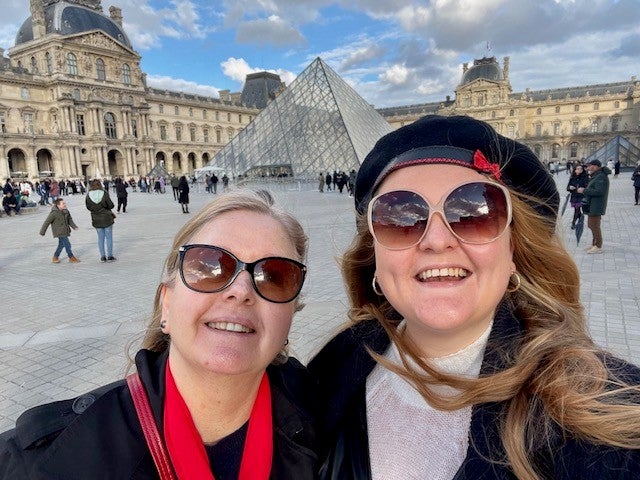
318, 124
618, 148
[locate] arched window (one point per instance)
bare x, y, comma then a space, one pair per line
72, 64
537, 149
49, 62
126, 74
100, 69
110, 125
538, 111
34, 65
616, 104
615, 123
573, 149
555, 150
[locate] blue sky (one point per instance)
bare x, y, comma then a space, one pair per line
393, 52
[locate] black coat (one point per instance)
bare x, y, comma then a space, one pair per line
183, 188
98, 435
342, 367
577, 181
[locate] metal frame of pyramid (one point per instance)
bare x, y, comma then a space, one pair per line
618, 148
318, 124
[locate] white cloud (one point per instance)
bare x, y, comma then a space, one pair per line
396, 75
237, 69
181, 85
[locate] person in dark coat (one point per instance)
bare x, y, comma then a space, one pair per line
183, 194
226, 399
121, 194
467, 354
596, 195
578, 179
635, 176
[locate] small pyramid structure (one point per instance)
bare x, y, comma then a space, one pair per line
618, 148
318, 124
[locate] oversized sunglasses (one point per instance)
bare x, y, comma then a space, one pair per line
475, 212
210, 269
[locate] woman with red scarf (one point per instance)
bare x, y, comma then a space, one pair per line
214, 395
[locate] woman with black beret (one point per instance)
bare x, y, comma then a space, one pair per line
467, 355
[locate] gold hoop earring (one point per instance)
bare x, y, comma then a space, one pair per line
516, 281
376, 286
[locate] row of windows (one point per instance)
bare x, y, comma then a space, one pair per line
205, 113
576, 107
192, 134
72, 67
574, 148
575, 126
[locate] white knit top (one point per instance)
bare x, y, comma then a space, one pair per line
409, 439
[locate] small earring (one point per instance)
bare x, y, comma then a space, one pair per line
286, 342
376, 286
516, 281
163, 324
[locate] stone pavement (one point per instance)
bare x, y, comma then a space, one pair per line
65, 327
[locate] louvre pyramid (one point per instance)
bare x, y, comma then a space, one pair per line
618, 148
317, 124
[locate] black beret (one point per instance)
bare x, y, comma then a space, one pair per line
475, 145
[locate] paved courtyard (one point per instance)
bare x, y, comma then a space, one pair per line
66, 327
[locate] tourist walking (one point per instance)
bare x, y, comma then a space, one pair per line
174, 186
578, 180
595, 202
121, 194
321, 182
61, 224
100, 204
635, 176
183, 193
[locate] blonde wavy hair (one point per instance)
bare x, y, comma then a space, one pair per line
240, 200
557, 366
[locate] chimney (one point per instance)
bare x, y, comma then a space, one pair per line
37, 19
116, 15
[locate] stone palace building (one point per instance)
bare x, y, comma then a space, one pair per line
74, 103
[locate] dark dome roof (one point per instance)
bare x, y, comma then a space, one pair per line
68, 19
487, 68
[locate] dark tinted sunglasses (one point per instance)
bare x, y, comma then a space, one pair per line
475, 212
210, 269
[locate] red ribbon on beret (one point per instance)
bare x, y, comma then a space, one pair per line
481, 163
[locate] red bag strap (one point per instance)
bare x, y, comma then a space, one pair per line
151, 434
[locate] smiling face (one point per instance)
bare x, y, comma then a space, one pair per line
446, 290
234, 331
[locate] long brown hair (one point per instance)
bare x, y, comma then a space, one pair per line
557, 366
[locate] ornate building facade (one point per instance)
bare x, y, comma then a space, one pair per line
560, 125
74, 102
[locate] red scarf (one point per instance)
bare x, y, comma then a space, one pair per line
187, 452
